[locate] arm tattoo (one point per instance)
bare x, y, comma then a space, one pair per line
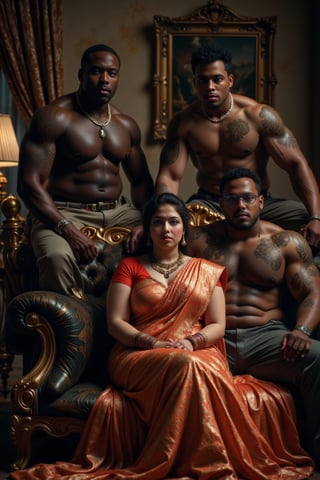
275, 128
288, 140
236, 130
307, 303
301, 280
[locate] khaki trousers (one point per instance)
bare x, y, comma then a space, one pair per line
57, 266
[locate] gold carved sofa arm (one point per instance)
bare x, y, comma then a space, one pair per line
202, 215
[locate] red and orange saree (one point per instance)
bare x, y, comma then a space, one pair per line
180, 414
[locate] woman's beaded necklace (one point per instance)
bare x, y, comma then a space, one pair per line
166, 269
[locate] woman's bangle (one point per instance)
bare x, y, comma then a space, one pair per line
143, 341
314, 217
198, 340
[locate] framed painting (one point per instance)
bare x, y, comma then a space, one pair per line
250, 40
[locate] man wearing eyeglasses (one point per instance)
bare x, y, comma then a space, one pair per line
264, 337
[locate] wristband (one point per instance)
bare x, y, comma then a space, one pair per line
303, 329
61, 225
314, 217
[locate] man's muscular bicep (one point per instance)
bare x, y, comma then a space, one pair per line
280, 142
273, 127
301, 273
38, 149
304, 285
36, 158
170, 150
173, 159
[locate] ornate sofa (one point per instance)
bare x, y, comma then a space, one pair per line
63, 340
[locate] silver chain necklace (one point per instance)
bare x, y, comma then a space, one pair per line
102, 126
215, 119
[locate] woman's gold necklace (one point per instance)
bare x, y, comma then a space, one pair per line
102, 126
166, 268
215, 119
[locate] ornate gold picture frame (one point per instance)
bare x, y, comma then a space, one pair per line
250, 40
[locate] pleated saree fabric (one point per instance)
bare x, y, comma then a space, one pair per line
178, 414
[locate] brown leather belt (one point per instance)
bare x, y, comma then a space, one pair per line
92, 207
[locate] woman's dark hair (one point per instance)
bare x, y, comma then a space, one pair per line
209, 52
236, 173
152, 207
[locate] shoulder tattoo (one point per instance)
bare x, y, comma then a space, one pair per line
274, 127
282, 239
307, 303
214, 253
206, 247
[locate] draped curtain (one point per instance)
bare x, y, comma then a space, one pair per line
31, 52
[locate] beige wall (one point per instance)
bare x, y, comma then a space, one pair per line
314, 14
126, 25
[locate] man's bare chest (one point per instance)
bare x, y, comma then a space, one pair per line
253, 262
230, 141
82, 145
261, 265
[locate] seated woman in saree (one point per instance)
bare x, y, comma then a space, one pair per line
174, 410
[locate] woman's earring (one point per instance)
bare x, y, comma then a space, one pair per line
183, 241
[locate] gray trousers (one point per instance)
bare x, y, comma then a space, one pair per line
256, 351
57, 266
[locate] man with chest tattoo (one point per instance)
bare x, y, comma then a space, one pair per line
221, 131
69, 172
264, 262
